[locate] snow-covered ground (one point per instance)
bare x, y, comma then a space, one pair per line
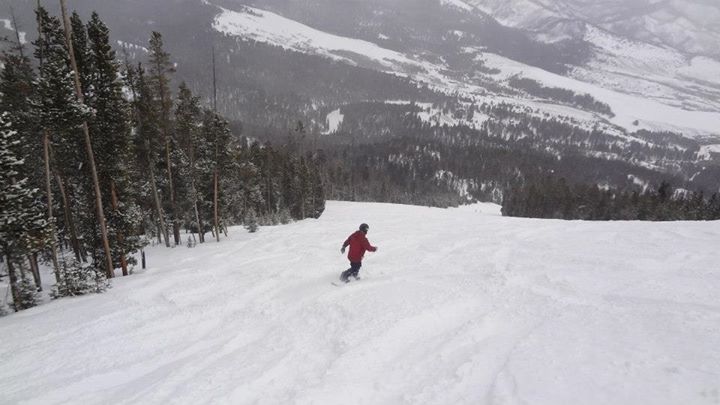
334, 120
707, 151
650, 113
268, 27
457, 306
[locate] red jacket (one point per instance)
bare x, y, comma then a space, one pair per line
358, 246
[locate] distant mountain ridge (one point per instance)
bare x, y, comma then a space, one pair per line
691, 27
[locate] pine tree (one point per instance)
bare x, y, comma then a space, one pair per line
251, 221
147, 145
110, 130
216, 136
159, 80
16, 92
81, 51
65, 75
316, 192
191, 148
40, 48
60, 115
23, 228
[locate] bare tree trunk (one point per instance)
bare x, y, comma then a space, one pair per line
173, 205
214, 82
13, 283
215, 202
35, 270
40, 48
171, 183
17, 33
88, 146
201, 234
216, 175
69, 223
120, 236
158, 206
48, 190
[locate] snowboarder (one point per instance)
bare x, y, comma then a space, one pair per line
358, 245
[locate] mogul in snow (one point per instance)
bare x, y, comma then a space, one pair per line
359, 244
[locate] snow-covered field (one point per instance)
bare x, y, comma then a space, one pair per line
457, 306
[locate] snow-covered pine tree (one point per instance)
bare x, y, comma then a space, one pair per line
191, 148
284, 216
81, 49
23, 228
159, 81
60, 115
40, 45
100, 211
251, 221
147, 147
16, 91
110, 131
292, 192
217, 138
317, 191
271, 166
79, 279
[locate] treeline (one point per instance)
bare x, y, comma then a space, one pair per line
483, 162
564, 96
553, 197
668, 154
98, 157
386, 153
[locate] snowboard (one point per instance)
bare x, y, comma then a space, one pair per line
341, 283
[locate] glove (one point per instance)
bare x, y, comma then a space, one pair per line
342, 250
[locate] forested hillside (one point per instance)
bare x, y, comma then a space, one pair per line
101, 156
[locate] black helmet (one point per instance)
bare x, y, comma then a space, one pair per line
364, 227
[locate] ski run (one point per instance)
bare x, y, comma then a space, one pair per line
458, 306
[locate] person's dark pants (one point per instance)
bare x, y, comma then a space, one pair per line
352, 271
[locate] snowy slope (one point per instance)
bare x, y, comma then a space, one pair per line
268, 27
651, 113
458, 306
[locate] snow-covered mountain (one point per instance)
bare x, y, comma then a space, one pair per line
639, 82
683, 90
458, 306
689, 26
664, 50
486, 65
